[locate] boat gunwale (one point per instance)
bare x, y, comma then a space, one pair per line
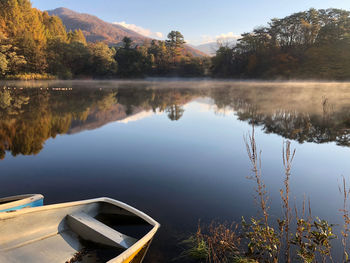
123, 256
18, 201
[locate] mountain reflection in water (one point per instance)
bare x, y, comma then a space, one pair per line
174, 149
314, 112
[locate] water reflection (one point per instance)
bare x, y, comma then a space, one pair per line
31, 116
316, 113
194, 165
305, 114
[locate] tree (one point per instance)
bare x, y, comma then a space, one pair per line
76, 57
77, 36
132, 62
26, 32
10, 61
32, 41
3, 64
175, 44
160, 57
102, 59
175, 112
54, 28
223, 62
192, 66
309, 44
127, 42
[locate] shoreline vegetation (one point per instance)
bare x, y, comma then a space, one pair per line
314, 44
297, 236
35, 76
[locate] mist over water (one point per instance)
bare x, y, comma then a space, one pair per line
174, 149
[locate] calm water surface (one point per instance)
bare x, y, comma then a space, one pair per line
174, 150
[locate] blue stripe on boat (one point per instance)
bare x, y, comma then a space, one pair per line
32, 204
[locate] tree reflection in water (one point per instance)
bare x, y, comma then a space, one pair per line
318, 113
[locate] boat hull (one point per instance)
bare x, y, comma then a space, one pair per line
50, 234
18, 202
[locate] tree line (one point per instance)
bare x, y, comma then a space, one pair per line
309, 44
304, 45
33, 42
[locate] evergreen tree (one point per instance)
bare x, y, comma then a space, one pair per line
175, 44
132, 62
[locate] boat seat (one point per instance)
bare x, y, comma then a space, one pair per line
88, 228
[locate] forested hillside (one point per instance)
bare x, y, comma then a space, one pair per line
34, 44
314, 44
310, 44
97, 30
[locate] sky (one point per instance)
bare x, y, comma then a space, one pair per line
200, 21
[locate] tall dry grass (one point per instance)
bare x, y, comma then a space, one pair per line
345, 191
296, 237
288, 157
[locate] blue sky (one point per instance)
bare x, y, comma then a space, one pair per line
199, 20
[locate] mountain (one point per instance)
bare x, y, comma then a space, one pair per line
195, 52
208, 48
96, 29
98, 118
211, 47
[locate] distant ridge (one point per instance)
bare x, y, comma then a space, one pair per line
211, 47
208, 48
96, 29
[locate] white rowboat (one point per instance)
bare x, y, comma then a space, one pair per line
59, 233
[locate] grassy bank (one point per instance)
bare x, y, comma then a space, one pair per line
30, 76
296, 236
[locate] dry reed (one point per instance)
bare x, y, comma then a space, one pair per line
288, 157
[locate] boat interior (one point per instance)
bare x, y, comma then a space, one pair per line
93, 232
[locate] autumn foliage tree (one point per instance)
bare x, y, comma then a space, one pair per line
309, 44
32, 43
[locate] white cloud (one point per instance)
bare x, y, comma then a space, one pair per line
225, 37
209, 106
159, 34
207, 39
228, 36
143, 31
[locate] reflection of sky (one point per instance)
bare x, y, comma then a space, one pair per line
208, 105
177, 171
137, 117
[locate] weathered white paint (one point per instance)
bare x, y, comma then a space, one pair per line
43, 234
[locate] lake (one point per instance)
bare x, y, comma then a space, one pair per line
175, 149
